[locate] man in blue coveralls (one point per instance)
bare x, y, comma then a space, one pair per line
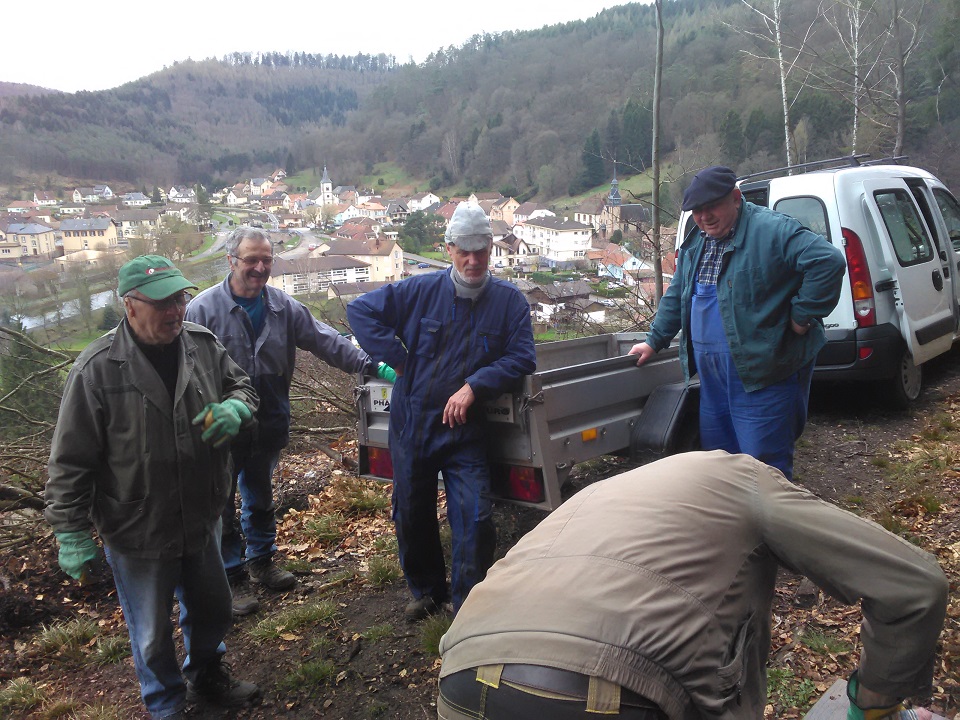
750, 292
455, 337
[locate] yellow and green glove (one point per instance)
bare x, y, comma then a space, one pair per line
78, 553
222, 421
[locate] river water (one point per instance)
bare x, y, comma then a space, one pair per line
203, 273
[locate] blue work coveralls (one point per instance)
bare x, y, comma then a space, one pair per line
440, 342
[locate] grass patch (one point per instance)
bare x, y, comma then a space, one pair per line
61, 708
376, 633
432, 630
111, 650
99, 712
294, 620
327, 528
320, 645
67, 639
824, 643
21, 695
297, 565
383, 570
388, 175
880, 462
363, 499
377, 709
789, 691
386, 545
446, 539
309, 677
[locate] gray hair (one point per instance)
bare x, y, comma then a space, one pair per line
244, 233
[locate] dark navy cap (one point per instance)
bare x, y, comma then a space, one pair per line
709, 184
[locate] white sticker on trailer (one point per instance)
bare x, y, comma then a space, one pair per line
501, 409
379, 398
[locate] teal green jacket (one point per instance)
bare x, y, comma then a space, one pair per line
774, 270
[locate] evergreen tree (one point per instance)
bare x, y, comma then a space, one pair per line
593, 172
421, 231
731, 137
611, 141
636, 135
110, 318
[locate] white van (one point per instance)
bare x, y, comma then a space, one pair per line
899, 228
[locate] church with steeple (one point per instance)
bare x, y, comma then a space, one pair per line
609, 214
326, 196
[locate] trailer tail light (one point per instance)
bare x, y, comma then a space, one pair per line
516, 482
376, 461
861, 287
525, 483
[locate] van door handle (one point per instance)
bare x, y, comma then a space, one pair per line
937, 280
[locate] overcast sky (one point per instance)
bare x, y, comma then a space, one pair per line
83, 46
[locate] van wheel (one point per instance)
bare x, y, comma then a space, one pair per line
907, 383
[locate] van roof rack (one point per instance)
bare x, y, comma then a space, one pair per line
846, 160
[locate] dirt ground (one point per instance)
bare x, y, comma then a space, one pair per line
380, 665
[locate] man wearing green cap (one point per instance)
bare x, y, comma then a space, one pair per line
140, 451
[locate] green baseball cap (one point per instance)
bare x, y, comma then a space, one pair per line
154, 276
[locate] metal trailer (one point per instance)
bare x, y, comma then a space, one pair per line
586, 399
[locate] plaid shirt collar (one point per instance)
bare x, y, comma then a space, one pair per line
713, 249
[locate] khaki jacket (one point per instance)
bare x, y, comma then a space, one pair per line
128, 459
661, 580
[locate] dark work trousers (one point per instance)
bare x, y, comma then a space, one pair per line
253, 478
466, 479
764, 423
462, 697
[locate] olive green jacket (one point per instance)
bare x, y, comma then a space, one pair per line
128, 460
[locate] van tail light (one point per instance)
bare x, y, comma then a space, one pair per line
861, 286
376, 461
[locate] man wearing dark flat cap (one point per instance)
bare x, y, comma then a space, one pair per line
750, 292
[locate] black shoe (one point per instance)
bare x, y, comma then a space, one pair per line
421, 609
245, 600
215, 685
263, 571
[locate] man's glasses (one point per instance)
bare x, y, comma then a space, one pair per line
253, 261
179, 300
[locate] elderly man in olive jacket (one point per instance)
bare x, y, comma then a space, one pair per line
140, 452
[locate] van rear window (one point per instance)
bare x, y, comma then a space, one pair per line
808, 211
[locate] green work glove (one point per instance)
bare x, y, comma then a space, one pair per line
225, 421
891, 712
385, 372
78, 553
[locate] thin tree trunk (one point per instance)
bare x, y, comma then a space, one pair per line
655, 195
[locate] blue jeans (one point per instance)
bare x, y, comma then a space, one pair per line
466, 479
253, 477
146, 588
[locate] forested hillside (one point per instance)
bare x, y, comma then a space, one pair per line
529, 112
